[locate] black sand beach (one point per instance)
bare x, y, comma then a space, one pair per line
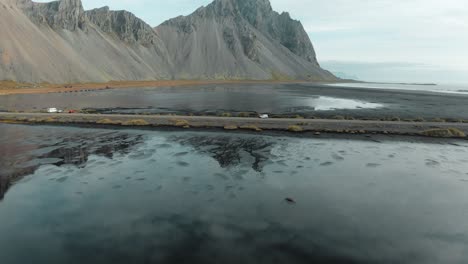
285, 100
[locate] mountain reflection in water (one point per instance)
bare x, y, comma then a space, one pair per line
131, 196
24, 150
231, 151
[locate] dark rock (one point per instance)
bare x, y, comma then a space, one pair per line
64, 14
124, 25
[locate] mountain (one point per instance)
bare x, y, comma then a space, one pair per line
240, 39
60, 42
57, 42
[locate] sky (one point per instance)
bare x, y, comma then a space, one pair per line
375, 40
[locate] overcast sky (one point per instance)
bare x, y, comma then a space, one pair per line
425, 36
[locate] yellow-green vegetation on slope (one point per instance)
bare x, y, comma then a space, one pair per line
279, 76
448, 133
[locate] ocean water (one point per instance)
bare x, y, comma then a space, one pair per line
438, 88
127, 196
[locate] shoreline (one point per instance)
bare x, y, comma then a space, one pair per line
291, 125
11, 88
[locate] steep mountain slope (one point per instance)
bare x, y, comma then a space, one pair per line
240, 39
59, 42
56, 42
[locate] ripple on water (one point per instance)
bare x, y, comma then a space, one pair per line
325, 164
165, 145
282, 163
432, 163
187, 179
221, 176
337, 157
373, 165
180, 154
182, 163
239, 175
62, 179
141, 155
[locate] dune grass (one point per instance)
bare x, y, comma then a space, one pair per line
135, 122
181, 123
107, 121
447, 133
231, 127
251, 127
295, 128
243, 114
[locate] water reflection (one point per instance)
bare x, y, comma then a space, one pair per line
191, 197
231, 151
25, 150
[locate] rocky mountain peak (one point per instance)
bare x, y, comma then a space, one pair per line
62, 14
258, 14
123, 24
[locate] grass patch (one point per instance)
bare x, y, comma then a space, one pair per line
295, 128
181, 123
446, 133
107, 121
338, 117
49, 120
251, 127
226, 115
135, 122
243, 114
439, 120
231, 127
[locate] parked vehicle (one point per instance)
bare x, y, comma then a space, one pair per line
54, 110
264, 116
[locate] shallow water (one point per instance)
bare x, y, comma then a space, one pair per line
197, 99
304, 99
439, 88
123, 196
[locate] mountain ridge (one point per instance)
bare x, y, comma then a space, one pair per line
60, 42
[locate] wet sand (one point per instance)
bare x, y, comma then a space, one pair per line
234, 123
308, 100
9, 88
